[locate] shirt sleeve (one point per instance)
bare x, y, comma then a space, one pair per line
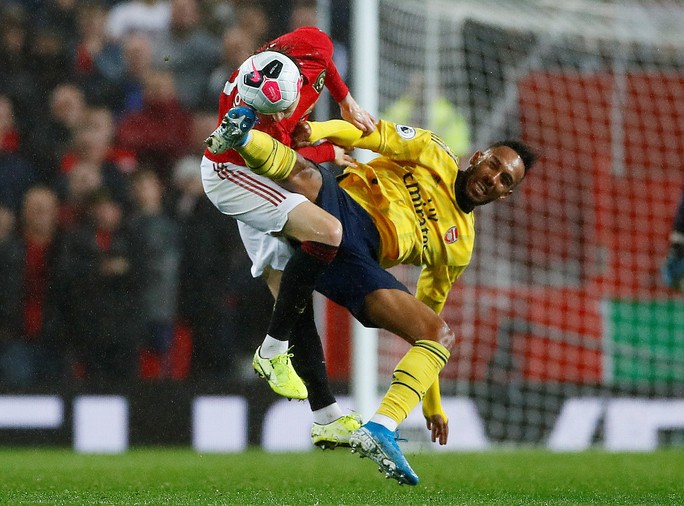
432, 402
324, 49
397, 142
333, 81
320, 153
434, 285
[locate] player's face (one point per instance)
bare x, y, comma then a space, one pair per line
278, 116
493, 174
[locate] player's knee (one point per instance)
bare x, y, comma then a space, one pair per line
440, 332
331, 231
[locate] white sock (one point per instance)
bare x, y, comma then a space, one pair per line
327, 414
272, 347
385, 421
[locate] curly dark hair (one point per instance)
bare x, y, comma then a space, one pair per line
528, 155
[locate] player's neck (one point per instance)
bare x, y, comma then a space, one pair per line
462, 200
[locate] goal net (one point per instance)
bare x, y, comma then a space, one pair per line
564, 299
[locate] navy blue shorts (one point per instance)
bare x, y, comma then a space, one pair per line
355, 271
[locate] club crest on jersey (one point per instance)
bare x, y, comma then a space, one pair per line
406, 132
319, 82
451, 235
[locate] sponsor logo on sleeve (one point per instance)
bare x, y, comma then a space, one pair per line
319, 82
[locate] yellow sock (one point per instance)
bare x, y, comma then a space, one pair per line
414, 374
267, 157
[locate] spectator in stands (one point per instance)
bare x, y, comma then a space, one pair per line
217, 15
94, 159
98, 61
94, 143
17, 76
253, 18
31, 298
238, 45
137, 54
75, 187
189, 50
58, 17
673, 270
102, 124
305, 13
440, 115
225, 309
161, 132
156, 237
100, 270
52, 137
51, 64
131, 16
16, 173
7, 219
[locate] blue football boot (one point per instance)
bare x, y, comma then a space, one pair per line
232, 131
379, 444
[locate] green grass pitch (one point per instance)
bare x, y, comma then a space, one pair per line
183, 477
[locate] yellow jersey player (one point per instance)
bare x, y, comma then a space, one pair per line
411, 205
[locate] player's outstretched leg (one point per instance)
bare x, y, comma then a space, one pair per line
232, 131
281, 376
379, 444
335, 433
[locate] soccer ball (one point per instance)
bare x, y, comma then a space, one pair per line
269, 82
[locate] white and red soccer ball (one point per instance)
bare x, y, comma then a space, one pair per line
269, 82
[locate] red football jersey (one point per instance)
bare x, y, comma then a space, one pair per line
312, 51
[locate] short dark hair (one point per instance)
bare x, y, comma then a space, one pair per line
528, 155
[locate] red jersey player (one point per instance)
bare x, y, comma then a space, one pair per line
270, 216
312, 51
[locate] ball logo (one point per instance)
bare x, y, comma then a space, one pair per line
406, 132
271, 91
451, 235
256, 77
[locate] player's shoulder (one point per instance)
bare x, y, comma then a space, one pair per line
310, 36
307, 31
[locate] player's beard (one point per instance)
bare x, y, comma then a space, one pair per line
463, 200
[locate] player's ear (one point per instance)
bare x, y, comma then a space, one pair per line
476, 157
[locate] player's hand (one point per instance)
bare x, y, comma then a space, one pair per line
439, 428
300, 135
356, 115
342, 158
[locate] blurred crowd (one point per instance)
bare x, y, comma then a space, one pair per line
113, 264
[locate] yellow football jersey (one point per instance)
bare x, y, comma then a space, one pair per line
410, 193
